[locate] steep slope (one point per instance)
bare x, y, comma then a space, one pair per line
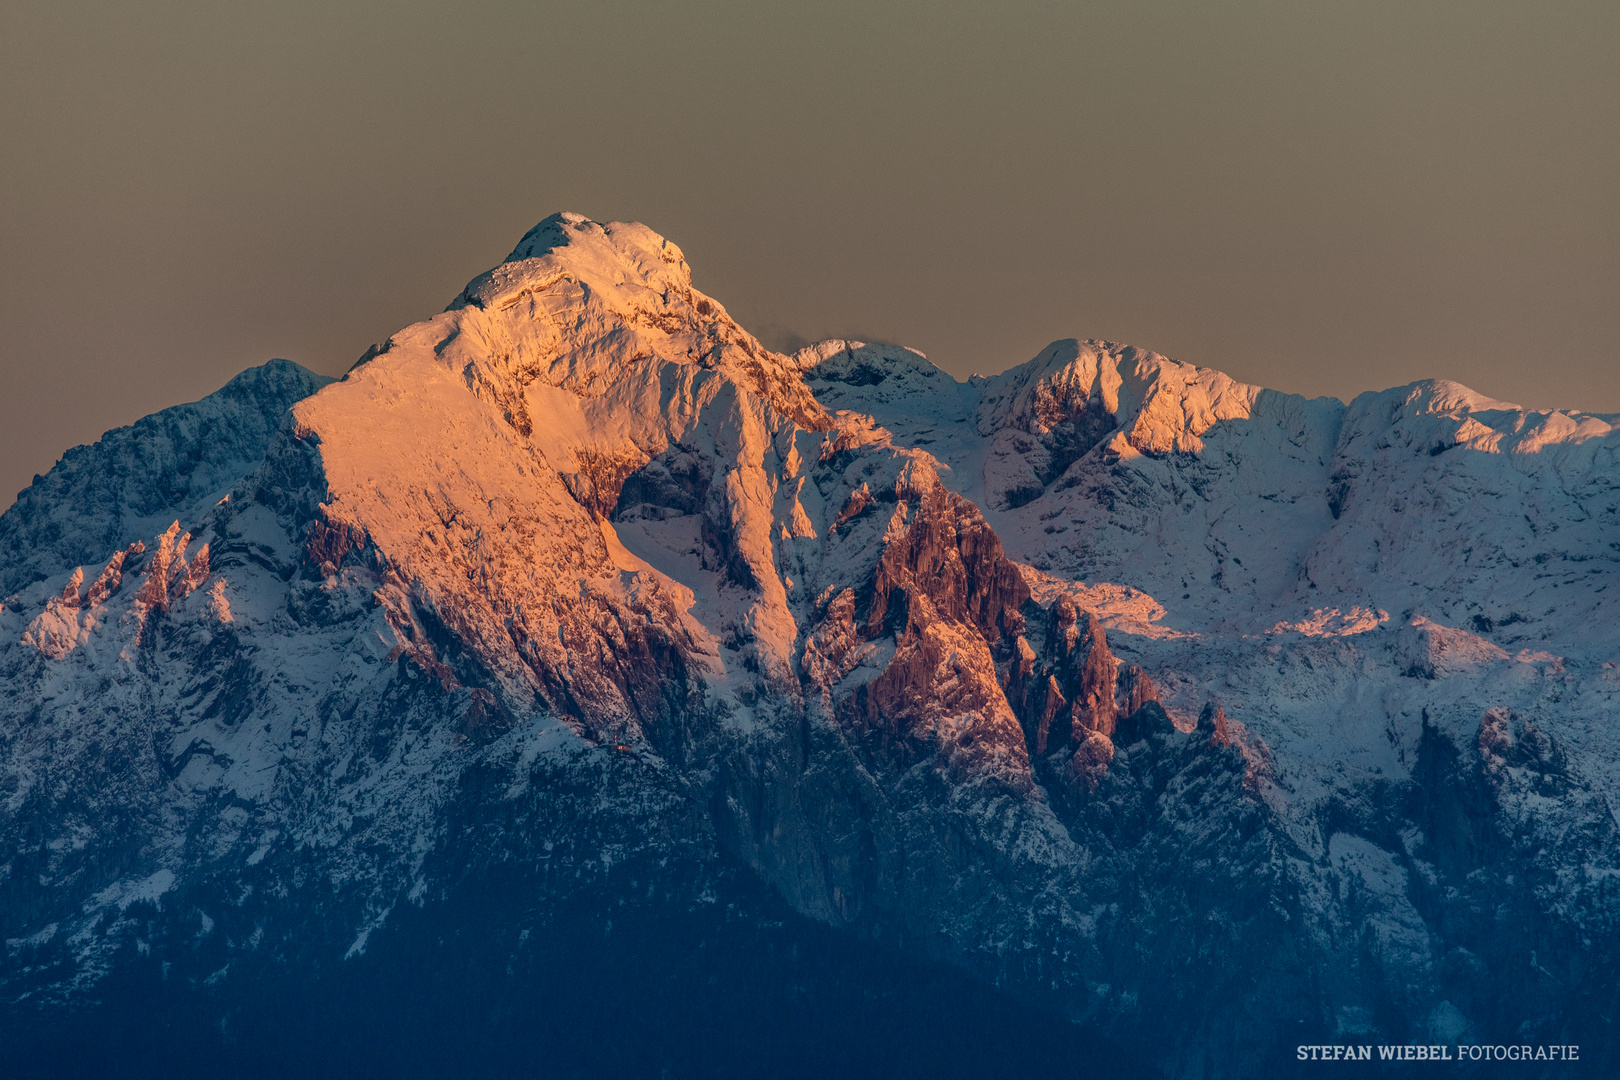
1371, 589
421, 575
638, 519
1109, 679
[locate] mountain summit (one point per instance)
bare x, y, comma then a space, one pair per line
1217, 718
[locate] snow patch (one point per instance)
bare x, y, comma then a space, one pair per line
1120, 607
1331, 622
121, 894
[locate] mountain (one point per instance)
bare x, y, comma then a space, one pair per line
1202, 721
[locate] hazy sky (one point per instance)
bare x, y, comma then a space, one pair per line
1321, 197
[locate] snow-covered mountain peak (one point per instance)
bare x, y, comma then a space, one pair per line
1435, 415
597, 310
898, 386
626, 242
1159, 405
607, 256
1446, 396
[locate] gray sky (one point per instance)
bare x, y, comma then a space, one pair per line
1320, 197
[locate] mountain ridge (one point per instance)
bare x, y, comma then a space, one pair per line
1102, 667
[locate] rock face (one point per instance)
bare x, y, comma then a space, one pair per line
1082, 678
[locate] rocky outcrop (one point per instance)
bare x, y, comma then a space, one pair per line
1134, 689
169, 576
111, 578
1067, 695
947, 596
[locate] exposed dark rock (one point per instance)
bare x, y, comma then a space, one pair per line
1134, 690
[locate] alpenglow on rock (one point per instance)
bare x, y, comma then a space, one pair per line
1217, 718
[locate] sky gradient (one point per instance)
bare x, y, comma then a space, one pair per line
1321, 198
